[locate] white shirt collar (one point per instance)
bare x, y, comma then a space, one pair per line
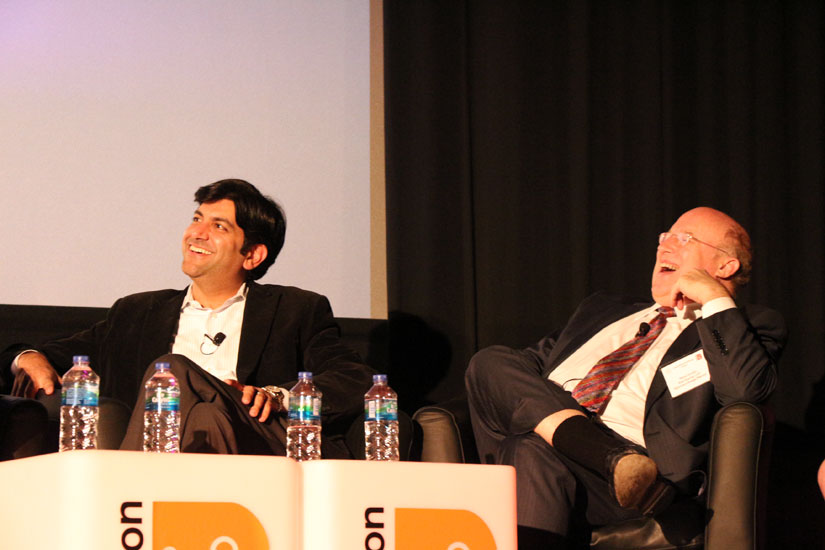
690, 312
189, 300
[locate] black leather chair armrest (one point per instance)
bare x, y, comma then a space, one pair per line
441, 440
741, 437
446, 432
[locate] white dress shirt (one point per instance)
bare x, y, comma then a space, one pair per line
197, 322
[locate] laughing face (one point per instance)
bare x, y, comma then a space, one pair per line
708, 227
212, 246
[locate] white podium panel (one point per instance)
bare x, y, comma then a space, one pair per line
111, 500
352, 504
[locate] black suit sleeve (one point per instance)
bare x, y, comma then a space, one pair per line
336, 369
59, 352
742, 348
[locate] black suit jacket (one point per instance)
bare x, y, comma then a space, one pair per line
285, 330
742, 347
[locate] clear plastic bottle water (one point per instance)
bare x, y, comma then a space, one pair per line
303, 433
381, 421
161, 416
78, 406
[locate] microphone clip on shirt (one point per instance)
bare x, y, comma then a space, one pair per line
644, 328
217, 340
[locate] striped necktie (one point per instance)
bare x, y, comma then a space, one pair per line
593, 391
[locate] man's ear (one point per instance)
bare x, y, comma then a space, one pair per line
728, 269
254, 256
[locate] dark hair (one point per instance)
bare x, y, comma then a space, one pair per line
261, 218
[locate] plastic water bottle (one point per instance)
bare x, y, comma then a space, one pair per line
161, 416
303, 433
78, 406
381, 421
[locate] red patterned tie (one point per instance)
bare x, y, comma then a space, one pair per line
593, 391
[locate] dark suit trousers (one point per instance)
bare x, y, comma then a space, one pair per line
556, 497
212, 417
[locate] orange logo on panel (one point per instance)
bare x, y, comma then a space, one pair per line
206, 526
428, 529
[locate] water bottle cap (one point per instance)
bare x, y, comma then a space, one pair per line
80, 359
304, 375
161, 366
379, 378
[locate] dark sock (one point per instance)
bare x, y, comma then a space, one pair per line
580, 440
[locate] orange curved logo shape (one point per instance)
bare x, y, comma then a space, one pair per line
431, 529
206, 526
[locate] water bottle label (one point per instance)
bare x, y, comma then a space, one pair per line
381, 409
80, 395
162, 402
304, 407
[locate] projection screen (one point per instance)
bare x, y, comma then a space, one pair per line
113, 113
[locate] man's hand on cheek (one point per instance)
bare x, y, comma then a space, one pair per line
695, 286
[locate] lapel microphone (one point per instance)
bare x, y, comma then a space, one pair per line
644, 328
216, 341
220, 337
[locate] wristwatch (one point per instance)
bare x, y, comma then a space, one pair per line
279, 395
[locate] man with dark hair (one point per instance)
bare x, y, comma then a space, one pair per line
262, 221
609, 418
235, 346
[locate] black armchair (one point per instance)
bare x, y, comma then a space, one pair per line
734, 515
23, 424
30, 427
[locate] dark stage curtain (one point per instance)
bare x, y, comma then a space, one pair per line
536, 149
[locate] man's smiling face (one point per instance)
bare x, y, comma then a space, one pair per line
212, 244
674, 259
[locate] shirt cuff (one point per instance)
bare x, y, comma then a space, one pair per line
717, 305
14, 368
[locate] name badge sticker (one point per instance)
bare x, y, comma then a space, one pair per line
687, 373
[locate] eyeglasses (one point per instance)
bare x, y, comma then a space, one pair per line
684, 238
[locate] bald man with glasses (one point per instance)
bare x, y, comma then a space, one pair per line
609, 418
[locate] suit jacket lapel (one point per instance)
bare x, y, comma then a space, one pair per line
160, 327
581, 330
687, 342
258, 319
